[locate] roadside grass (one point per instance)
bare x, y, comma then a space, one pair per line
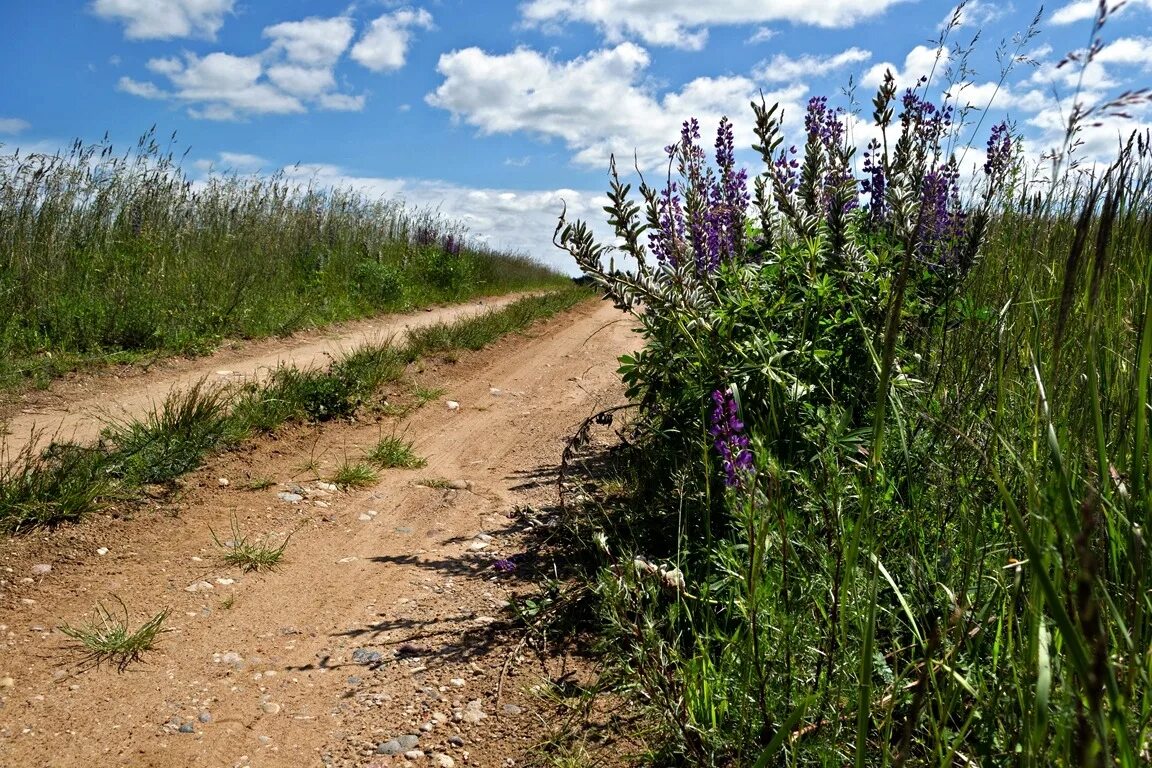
172, 439
181, 266
437, 483
62, 484
248, 554
394, 452
107, 637
355, 474
65, 482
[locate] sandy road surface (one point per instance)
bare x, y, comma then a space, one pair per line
381, 624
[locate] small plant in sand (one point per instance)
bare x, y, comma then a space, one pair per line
395, 452
251, 555
107, 637
354, 475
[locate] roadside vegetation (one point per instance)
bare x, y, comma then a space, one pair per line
109, 257
886, 488
64, 481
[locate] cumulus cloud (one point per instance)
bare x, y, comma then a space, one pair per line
13, 125
296, 71
685, 23
312, 42
1083, 10
975, 13
165, 19
785, 69
384, 46
597, 104
921, 61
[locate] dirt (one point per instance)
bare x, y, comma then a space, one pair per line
388, 616
75, 408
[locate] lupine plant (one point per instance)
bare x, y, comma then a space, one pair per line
895, 438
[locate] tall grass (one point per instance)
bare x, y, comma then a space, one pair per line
899, 452
103, 252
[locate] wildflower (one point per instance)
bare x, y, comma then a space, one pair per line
730, 441
505, 565
451, 245
875, 184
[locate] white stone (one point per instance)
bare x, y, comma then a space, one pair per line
453, 405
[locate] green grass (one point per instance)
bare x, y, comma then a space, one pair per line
355, 475
182, 266
439, 483
395, 452
62, 484
248, 554
107, 637
66, 482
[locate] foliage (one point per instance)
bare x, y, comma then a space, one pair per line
107, 637
892, 455
103, 252
251, 555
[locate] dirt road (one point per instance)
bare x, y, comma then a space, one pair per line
374, 644
76, 408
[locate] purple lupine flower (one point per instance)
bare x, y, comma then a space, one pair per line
730, 440
875, 184
506, 565
704, 214
825, 128
942, 219
452, 245
999, 151
787, 169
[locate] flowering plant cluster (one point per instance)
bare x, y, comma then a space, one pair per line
780, 285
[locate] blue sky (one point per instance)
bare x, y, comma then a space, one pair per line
494, 112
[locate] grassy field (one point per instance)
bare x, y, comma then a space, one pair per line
106, 255
884, 500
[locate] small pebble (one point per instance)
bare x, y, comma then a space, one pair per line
198, 586
512, 709
41, 569
291, 498
391, 747
270, 708
456, 740
413, 754
409, 741
365, 656
205, 717
453, 405
264, 740
102, 551
187, 728
458, 485
440, 760
7, 682
458, 682
223, 482
495, 392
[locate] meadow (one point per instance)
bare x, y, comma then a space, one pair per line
109, 255
884, 491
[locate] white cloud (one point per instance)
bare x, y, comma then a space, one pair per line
295, 71
761, 35
13, 125
785, 69
384, 46
165, 19
976, 13
1127, 50
1083, 10
685, 23
238, 162
597, 104
921, 61
312, 42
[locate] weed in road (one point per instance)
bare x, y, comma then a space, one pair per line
107, 638
427, 394
250, 555
395, 452
435, 482
354, 475
172, 439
